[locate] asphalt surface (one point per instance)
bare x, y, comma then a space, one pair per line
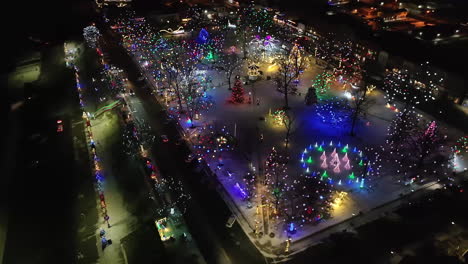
207, 213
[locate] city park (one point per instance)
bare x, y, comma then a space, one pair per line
298, 147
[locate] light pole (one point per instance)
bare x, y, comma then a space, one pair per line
288, 244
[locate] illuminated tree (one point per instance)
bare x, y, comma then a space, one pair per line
427, 82
237, 95
193, 99
309, 200
130, 140
292, 64
421, 154
398, 84
275, 176
250, 181
322, 83
179, 65
91, 35
335, 112
461, 146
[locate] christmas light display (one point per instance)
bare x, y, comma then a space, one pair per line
418, 153
211, 142
264, 49
322, 83
335, 112
275, 177
91, 35
341, 165
402, 127
250, 181
309, 201
237, 95
461, 146
399, 85
278, 117
291, 64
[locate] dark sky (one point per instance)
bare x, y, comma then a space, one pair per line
46, 20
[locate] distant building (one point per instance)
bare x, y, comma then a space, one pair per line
392, 15
118, 3
338, 2
164, 18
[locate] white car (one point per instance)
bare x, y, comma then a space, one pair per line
231, 221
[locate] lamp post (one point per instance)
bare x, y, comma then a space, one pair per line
288, 244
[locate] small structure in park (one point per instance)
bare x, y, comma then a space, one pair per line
253, 71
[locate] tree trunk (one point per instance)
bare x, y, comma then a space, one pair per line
179, 98
285, 86
356, 111
229, 81
351, 133
286, 99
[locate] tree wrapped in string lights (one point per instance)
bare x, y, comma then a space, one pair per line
276, 177
309, 201
420, 155
292, 64
237, 95
427, 82
91, 35
460, 149
335, 112
461, 146
322, 83
399, 85
211, 142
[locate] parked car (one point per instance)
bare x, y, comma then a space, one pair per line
59, 126
231, 221
190, 157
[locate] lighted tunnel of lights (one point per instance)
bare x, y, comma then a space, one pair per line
340, 164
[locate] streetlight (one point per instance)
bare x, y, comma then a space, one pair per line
288, 243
